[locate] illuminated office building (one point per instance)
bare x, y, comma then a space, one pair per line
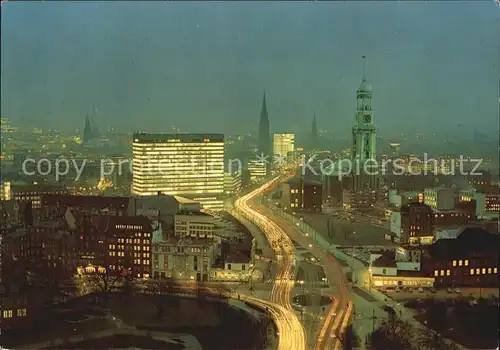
189, 165
283, 144
257, 170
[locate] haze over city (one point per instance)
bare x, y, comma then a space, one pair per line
250, 175
203, 66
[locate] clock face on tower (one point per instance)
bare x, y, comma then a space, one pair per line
368, 118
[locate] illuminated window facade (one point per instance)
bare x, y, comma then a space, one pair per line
283, 144
417, 224
124, 246
190, 261
257, 170
184, 164
194, 226
439, 198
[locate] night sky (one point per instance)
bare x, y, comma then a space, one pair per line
203, 66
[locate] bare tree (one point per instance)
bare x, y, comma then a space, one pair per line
105, 281
349, 339
261, 327
393, 334
158, 298
431, 340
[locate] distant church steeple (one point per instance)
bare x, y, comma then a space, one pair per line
95, 130
314, 132
264, 136
87, 130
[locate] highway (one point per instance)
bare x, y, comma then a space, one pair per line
338, 316
291, 334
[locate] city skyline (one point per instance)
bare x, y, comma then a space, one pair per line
209, 73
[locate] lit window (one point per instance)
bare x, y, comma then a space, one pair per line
21, 312
436, 272
466, 262
460, 263
489, 270
483, 271
494, 270
442, 272
478, 271
454, 263
471, 271
7, 314
447, 272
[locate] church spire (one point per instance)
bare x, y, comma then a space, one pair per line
314, 131
364, 68
263, 112
264, 145
87, 130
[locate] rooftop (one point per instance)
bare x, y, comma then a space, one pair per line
42, 188
237, 257
186, 241
145, 137
471, 240
98, 202
184, 200
108, 223
387, 259
193, 213
305, 181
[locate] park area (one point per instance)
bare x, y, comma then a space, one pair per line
211, 322
471, 323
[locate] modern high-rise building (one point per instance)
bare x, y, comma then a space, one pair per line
283, 144
188, 165
257, 170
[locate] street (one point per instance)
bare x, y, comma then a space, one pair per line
336, 320
291, 332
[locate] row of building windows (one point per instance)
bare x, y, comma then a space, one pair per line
129, 227
10, 313
483, 271
207, 226
170, 249
460, 262
293, 190
115, 254
137, 234
441, 273
136, 247
138, 262
477, 271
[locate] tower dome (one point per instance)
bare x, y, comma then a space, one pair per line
364, 87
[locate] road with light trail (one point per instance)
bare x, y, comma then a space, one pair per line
337, 319
291, 334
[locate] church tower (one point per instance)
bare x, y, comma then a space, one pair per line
87, 131
363, 131
365, 178
314, 133
264, 145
